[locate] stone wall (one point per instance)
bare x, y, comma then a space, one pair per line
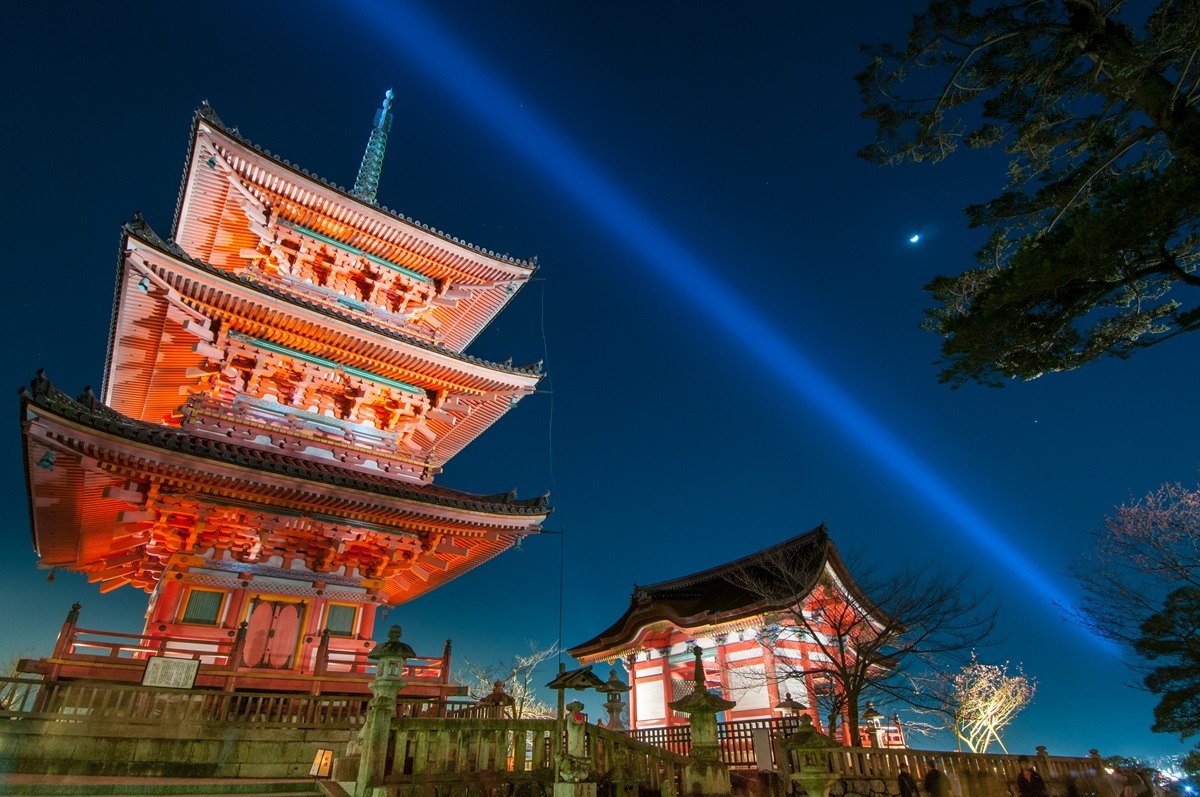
96, 747
979, 784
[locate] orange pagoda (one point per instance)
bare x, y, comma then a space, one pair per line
751, 650
285, 377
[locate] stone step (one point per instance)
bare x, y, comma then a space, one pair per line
83, 786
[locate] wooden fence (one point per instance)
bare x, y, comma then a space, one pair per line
740, 741
743, 741
75, 700
865, 762
89, 644
446, 751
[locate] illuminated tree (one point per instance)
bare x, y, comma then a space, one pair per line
1096, 239
872, 637
984, 699
520, 677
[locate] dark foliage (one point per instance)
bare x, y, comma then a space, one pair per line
1096, 238
1171, 640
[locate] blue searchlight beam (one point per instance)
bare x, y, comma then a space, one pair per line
496, 106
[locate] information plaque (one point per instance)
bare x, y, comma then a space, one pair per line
170, 673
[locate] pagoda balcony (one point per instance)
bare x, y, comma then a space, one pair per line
337, 666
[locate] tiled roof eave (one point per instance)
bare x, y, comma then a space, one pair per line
92, 414
629, 625
815, 536
142, 232
206, 113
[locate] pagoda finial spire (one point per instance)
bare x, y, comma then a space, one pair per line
367, 184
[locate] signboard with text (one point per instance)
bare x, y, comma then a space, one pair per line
170, 673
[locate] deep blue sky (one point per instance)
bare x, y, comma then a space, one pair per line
675, 447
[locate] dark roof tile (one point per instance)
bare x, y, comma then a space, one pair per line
91, 412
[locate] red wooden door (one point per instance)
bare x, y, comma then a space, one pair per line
272, 632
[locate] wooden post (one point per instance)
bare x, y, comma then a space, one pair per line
66, 636
631, 662
446, 664
321, 665
665, 678
234, 662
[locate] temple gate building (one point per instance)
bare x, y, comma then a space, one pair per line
752, 651
285, 377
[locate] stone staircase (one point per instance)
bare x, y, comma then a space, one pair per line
81, 786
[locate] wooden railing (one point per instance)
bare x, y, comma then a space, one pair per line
113, 645
646, 765
864, 762
18, 695
76, 700
440, 751
740, 751
737, 739
222, 657
676, 738
448, 750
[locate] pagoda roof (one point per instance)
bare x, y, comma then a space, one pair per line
374, 229
206, 112
148, 381
83, 460
91, 412
139, 229
721, 595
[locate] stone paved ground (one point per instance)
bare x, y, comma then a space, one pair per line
81, 786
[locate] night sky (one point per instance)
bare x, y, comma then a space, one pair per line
713, 320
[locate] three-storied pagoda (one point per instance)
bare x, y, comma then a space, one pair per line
285, 377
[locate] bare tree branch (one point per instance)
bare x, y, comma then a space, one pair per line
871, 635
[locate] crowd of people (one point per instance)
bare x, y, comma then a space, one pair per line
1029, 782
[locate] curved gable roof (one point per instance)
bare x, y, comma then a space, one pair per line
721, 594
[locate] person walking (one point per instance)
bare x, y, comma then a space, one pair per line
1029, 782
908, 786
936, 783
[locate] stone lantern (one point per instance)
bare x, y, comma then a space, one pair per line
789, 707
708, 775
494, 704
389, 658
808, 758
873, 719
614, 691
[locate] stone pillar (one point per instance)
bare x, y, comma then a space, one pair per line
373, 738
1043, 761
706, 774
